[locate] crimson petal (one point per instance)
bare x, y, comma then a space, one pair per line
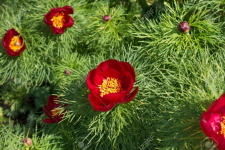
127, 83
47, 111
48, 121
52, 102
111, 64
111, 73
129, 68
129, 97
114, 97
68, 9
98, 104
96, 77
69, 22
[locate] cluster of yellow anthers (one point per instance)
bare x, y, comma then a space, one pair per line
59, 19
109, 85
56, 111
15, 44
222, 125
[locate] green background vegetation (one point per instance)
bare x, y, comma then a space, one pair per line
178, 74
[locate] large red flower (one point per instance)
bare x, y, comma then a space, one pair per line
110, 84
213, 122
13, 43
58, 19
53, 110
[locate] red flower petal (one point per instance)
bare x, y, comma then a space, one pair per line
111, 64
68, 9
95, 77
57, 118
127, 83
48, 120
47, 111
114, 97
129, 97
220, 103
52, 102
111, 73
95, 102
129, 68
210, 110
69, 22
220, 142
98, 105
107, 107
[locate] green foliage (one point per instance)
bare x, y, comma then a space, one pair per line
12, 137
29, 67
101, 35
17, 101
189, 86
178, 74
162, 38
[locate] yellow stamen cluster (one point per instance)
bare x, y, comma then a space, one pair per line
222, 124
59, 19
109, 85
56, 111
15, 44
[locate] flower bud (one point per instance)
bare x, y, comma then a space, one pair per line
67, 72
106, 18
27, 142
184, 27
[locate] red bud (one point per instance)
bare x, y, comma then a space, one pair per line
106, 18
184, 27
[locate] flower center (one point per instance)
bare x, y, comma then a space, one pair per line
59, 19
109, 85
222, 125
15, 44
56, 111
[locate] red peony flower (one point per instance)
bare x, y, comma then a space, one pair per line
213, 122
110, 84
58, 19
53, 110
13, 43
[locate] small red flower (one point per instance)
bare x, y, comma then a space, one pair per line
213, 122
53, 110
58, 19
110, 84
13, 43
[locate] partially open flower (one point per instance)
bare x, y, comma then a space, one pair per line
58, 19
27, 142
106, 18
110, 84
53, 110
13, 43
184, 27
213, 122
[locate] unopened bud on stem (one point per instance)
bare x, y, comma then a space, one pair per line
184, 27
